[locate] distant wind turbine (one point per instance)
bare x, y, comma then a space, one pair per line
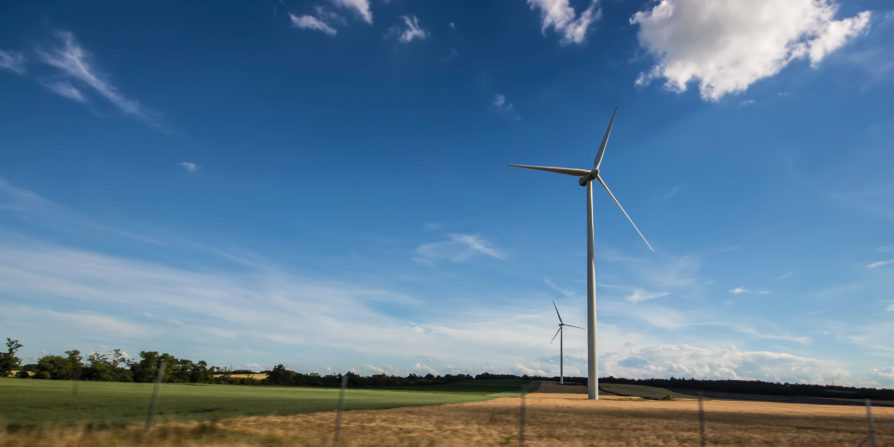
585, 178
561, 334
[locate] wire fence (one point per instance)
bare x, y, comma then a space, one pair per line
523, 436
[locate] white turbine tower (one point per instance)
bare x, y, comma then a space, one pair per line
585, 178
561, 334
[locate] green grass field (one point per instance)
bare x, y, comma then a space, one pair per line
29, 402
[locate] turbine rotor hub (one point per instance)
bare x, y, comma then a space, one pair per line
584, 179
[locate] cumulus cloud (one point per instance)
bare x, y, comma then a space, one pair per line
722, 363
75, 64
360, 7
560, 16
458, 248
640, 295
312, 23
412, 31
727, 46
12, 61
189, 166
880, 264
884, 376
504, 108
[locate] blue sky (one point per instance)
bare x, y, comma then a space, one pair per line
324, 184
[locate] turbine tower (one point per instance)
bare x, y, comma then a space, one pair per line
561, 334
585, 178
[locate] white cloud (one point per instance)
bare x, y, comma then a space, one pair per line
746, 102
721, 363
65, 89
76, 64
560, 16
412, 30
640, 295
312, 23
459, 248
361, 7
890, 307
422, 369
504, 108
741, 290
189, 166
880, 264
785, 275
452, 25
728, 46
884, 376
12, 61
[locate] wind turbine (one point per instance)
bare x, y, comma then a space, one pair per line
561, 334
585, 178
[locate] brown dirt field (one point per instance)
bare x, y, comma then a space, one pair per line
569, 419
554, 418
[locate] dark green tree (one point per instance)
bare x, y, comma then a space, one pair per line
54, 367
8, 359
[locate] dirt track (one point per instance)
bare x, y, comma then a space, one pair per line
569, 419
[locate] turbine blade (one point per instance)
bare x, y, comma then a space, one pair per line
557, 312
571, 325
598, 177
601, 151
566, 171
556, 334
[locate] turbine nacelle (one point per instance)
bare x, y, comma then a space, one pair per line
584, 179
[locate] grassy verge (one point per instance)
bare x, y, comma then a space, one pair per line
29, 402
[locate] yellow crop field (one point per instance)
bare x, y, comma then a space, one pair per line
553, 418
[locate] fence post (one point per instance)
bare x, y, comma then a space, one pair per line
871, 435
521, 419
701, 419
341, 407
154, 403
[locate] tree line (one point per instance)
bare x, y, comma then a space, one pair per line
116, 367
279, 375
113, 366
758, 387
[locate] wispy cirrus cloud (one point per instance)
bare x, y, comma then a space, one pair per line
785, 275
504, 108
411, 30
457, 248
189, 166
741, 290
878, 264
65, 89
726, 47
640, 295
312, 23
146, 303
560, 16
75, 65
12, 61
359, 7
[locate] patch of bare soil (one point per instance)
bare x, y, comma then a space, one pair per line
569, 419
